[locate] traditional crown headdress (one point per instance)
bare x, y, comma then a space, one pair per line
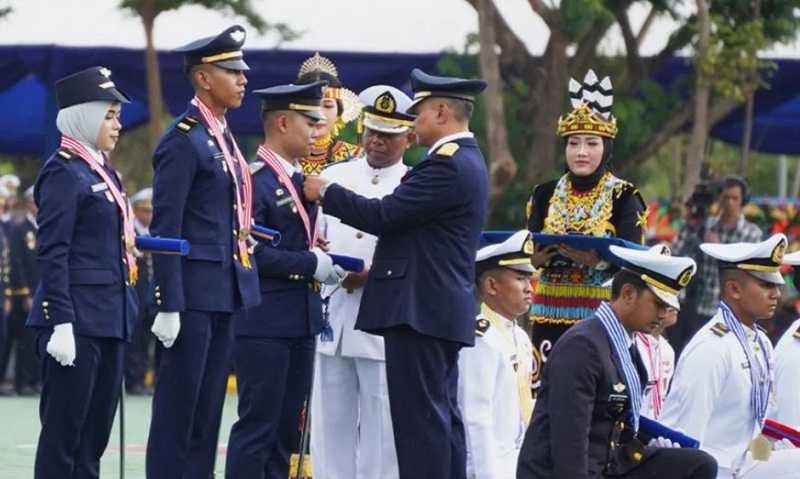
324, 69
591, 102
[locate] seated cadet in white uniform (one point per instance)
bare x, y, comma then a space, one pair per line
350, 416
721, 389
494, 389
787, 367
658, 358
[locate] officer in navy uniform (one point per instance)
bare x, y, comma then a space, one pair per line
85, 307
24, 277
279, 333
420, 291
137, 356
200, 194
586, 418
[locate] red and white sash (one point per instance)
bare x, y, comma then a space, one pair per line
654, 359
124, 205
267, 156
244, 194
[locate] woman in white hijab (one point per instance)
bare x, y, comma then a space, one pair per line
84, 307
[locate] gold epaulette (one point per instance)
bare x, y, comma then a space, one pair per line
187, 123
796, 334
447, 150
64, 154
256, 166
481, 326
720, 329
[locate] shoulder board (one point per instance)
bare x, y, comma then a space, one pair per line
256, 166
340, 162
796, 334
64, 154
720, 329
481, 326
447, 150
187, 123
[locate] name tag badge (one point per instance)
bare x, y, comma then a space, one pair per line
102, 186
284, 201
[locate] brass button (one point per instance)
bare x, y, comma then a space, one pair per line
359, 235
389, 273
235, 257
45, 304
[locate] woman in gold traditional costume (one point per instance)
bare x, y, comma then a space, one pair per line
587, 200
339, 105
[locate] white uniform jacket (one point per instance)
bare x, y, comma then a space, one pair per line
710, 395
358, 176
489, 401
787, 378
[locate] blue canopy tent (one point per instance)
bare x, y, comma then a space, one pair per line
27, 73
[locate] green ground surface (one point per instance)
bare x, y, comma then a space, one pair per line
19, 431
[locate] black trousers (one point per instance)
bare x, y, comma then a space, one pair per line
27, 368
188, 400
273, 378
422, 378
77, 408
677, 463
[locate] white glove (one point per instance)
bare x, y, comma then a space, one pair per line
336, 276
662, 442
62, 344
782, 445
166, 327
324, 266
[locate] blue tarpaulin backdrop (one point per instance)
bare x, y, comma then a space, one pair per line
27, 103
27, 73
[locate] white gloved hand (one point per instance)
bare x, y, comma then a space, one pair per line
336, 276
62, 344
166, 327
324, 266
662, 442
782, 445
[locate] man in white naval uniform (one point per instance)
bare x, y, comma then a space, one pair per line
494, 388
350, 417
721, 389
787, 367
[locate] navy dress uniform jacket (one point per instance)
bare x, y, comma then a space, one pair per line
83, 277
580, 409
290, 300
189, 184
423, 271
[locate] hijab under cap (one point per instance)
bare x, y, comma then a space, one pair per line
83, 121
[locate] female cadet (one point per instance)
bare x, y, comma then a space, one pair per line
85, 306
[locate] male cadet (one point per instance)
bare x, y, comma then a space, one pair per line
274, 348
201, 193
23, 280
137, 355
495, 376
420, 291
721, 389
787, 365
350, 413
586, 417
